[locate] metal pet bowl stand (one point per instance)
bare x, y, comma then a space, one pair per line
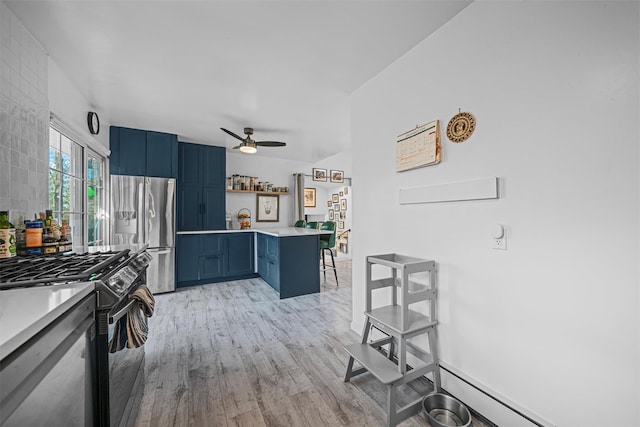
443, 410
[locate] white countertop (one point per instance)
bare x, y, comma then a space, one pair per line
278, 232
26, 311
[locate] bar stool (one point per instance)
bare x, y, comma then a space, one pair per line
327, 243
312, 224
300, 223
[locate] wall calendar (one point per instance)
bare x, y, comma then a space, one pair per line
419, 147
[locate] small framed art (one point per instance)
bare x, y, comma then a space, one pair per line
335, 198
337, 176
268, 208
319, 174
309, 197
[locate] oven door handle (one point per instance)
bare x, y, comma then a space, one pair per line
118, 314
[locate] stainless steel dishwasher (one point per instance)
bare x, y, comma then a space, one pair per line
50, 380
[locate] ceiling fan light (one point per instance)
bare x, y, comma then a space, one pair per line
248, 149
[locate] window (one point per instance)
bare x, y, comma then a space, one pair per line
96, 196
66, 183
77, 176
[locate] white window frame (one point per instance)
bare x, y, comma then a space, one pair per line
85, 140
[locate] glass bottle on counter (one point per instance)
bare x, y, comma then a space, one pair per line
7, 236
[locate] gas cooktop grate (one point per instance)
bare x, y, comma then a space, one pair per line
42, 270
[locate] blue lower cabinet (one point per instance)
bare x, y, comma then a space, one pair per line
210, 258
187, 259
299, 260
239, 254
211, 267
290, 265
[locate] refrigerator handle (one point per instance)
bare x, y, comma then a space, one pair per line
145, 216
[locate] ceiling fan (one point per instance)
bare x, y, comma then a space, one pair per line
248, 145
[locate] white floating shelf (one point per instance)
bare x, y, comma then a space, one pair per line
475, 189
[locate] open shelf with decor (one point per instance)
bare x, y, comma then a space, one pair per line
258, 192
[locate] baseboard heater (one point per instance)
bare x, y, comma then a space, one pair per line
475, 413
492, 397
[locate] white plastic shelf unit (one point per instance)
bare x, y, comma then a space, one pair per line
399, 323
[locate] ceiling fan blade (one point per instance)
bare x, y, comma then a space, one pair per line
237, 146
270, 143
232, 134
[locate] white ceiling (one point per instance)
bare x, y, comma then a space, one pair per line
285, 68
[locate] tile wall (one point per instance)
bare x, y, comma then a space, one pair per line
24, 119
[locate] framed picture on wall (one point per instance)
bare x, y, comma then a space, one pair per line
343, 205
319, 174
336, 207
335, 198
341, 225
337, 176
330, 214
329, 203
309, 197
267, 208
342, 194
346, 190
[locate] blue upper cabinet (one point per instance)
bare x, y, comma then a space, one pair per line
162, 155
214, 167
201, 187
143, 153
128, 151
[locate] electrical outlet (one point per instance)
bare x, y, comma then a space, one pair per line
500, 243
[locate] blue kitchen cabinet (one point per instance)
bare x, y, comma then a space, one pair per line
209, 258
268, 260
162, 155
189, 164
299, 261
213, 208
290, 265
201, 187
239, 254
142, 153
189, 206
214, 167
128, 151
187, 259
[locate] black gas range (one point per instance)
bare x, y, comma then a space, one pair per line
115, 275
113, 272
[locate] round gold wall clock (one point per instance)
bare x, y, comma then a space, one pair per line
460, 127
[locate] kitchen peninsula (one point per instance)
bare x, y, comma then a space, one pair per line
287, 258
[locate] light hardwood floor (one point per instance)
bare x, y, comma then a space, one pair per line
234, 354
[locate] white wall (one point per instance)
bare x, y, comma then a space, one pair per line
552, 323
24, 120
31, 86
72, 106
279, 172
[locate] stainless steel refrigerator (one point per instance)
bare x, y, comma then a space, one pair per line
143, 211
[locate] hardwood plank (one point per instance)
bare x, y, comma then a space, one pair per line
248, 419
234, 354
